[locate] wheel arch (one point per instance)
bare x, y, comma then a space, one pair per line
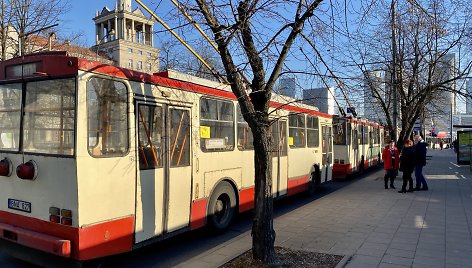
215, 186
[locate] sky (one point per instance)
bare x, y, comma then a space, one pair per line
80, 18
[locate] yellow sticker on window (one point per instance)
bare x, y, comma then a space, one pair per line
290, 141
204, 132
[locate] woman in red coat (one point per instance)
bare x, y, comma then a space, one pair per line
391, 158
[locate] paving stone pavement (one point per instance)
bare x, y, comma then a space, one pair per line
376, 227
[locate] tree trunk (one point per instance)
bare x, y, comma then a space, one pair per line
263, 234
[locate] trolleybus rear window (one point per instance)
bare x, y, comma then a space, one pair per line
10, 114
49, 118
342, 131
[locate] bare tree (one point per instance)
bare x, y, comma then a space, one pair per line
27, 16
234, 31
425, 37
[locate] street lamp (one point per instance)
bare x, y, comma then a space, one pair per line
111, 32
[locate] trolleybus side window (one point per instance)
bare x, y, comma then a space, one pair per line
296, 130
179, 138
245, 138
279, 138
150, 134
107, 117
216, 125
10, 114
313, 132
366, 134
49, 118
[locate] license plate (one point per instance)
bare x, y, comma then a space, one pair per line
19, 205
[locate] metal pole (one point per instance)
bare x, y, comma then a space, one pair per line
394, 73
32, 32
212, 70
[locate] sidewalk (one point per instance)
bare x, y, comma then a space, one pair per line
376, 227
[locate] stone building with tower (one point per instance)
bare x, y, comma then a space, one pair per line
125, 36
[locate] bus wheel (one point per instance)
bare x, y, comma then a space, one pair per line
222, 207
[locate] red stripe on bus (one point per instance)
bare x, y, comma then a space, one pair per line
178, 84
341, 170
106, 238
299, 109
297, 185
198, 214
246, 199
87, 242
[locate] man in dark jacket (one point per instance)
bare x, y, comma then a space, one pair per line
407, 165
420, 157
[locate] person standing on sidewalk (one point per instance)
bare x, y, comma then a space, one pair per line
391, 158
420, 153
407, 165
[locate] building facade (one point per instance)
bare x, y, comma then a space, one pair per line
323, 98
372, 109
468, 102
287, 87
126, 36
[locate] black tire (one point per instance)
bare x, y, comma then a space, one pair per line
221, 207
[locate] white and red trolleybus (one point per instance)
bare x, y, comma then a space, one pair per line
97, 160
358, 145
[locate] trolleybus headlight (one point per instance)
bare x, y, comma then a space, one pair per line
6, 167
27, 171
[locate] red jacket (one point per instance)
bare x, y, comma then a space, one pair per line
387, 158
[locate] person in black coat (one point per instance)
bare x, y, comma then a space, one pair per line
407, 165
420, 152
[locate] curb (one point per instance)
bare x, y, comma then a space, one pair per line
344, 261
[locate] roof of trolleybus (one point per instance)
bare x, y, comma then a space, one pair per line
360, 121
58, 63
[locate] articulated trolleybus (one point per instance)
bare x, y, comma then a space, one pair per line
98, 160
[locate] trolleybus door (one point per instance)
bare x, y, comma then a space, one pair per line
327, 152
279, 158
355, 148
164, 179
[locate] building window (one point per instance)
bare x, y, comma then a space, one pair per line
130, 63
130, 50
140, 65
149, 67
140, 52
149, 54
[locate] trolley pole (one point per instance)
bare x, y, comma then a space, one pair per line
394, 73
